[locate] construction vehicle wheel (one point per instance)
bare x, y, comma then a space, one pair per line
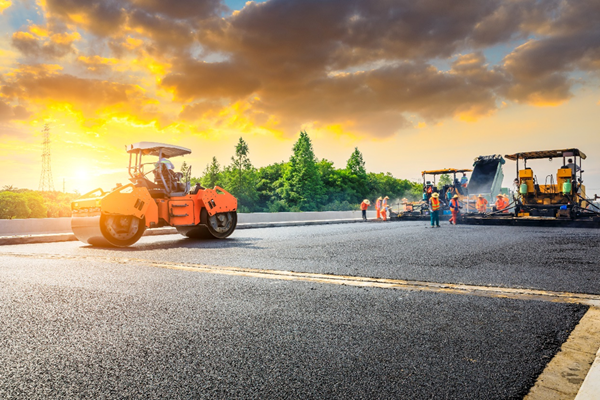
222, 225
122, 230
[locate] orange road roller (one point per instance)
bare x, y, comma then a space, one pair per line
156, 197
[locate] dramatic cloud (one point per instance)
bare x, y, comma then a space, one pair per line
371, 67
193, 79
539, 69
44, 44
109, 17
97, 64
92, 98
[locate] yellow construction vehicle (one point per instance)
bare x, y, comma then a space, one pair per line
560, 196
415, 210
456, 187
119, 217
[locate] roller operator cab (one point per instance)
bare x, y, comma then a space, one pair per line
560, 195
156, 197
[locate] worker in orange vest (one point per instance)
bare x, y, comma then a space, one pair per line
378, 207
501, 203
363, 206
434, 210
384, 208
455, 209
481, 204
507, 200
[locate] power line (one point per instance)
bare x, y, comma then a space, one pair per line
46, 181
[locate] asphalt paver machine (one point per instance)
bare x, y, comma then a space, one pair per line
562, 195
119, 217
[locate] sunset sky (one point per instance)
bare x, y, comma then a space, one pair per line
413, 84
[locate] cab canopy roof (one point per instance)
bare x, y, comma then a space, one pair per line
530, 155
153, 149
445, 171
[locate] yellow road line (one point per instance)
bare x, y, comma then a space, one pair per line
563, 376
383, 283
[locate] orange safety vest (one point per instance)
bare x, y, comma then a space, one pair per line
378, 204
454, 205
364, 206
481, 205
435, 204
501, 204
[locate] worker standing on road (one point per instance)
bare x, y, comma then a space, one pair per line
434, 210
501, 203
455, 209
363, 206
378, 207
481, 204
384, 208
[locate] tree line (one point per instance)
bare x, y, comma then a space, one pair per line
303, 183
25, 203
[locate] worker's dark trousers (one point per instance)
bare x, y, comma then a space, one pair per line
364, 213
435, 218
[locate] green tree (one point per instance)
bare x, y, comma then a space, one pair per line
240, 177
356, 164
58, 204
35, 203
212, 175
240, 164
302, 187
269, 179
358, 180
13, 205
444, 180
386, 185
186, 171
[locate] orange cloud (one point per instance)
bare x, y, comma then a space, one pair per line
94, 100
97, 64
40, 42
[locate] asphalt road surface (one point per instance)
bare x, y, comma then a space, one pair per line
150, 322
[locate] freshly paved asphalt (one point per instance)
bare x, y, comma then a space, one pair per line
88, 327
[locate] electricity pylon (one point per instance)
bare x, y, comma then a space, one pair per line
46, 182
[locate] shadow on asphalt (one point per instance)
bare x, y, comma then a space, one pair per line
184, 243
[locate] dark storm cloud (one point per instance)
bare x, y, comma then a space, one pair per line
364, 63
193, 79
101, 17
539, 69
341, 33
379, 97
163, 32
181, 9
109, 17
32, 46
